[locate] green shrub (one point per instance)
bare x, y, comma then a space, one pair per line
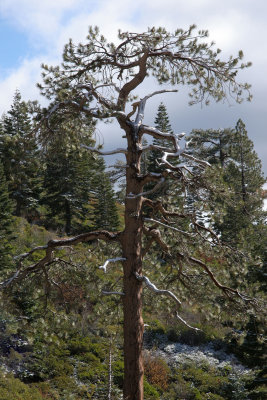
150, 393
191, 337
156, 327
81, 346
13, 389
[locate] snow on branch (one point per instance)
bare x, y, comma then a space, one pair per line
157, 134
177, 152
197, 160
152, 287
104, 266
153, 147
104, 153
186, 323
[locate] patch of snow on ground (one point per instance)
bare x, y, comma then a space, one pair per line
179, 353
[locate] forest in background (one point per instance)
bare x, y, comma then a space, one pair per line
59, 335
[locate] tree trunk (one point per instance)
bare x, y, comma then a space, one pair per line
132, 301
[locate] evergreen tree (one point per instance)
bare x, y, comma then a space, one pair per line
243, 174
153, 160
162, 123
212, 145
239, 173
253, 349
78, 193
20, 157
6, 223
105, 212
67, 180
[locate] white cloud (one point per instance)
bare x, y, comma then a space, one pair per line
37, 17
24, 78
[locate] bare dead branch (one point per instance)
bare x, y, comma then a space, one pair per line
104, 266
92, 91
153, 190
156, 237
153, 147
186, 323
170, 227
152, 287
104, 153
204, 164
157, 206
142, 103
134, 105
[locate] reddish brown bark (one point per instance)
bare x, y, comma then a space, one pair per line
132, 301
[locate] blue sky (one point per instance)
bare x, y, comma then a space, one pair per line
13, 45
32, 32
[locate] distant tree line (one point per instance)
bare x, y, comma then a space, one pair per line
59, 185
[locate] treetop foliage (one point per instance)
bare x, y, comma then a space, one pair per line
178, 58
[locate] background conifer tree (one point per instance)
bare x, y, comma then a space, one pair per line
105, 210
78, 192
213, 145
243, 174
20, 157
153, 164
6, 224
67, 184
239, 217
162, 123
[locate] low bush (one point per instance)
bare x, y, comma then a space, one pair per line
156, 371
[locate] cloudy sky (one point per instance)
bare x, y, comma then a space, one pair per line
34, 31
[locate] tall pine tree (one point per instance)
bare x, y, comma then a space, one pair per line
20, 157
231, 152
243, 175
153, 161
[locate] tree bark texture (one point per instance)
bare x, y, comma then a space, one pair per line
132, 301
